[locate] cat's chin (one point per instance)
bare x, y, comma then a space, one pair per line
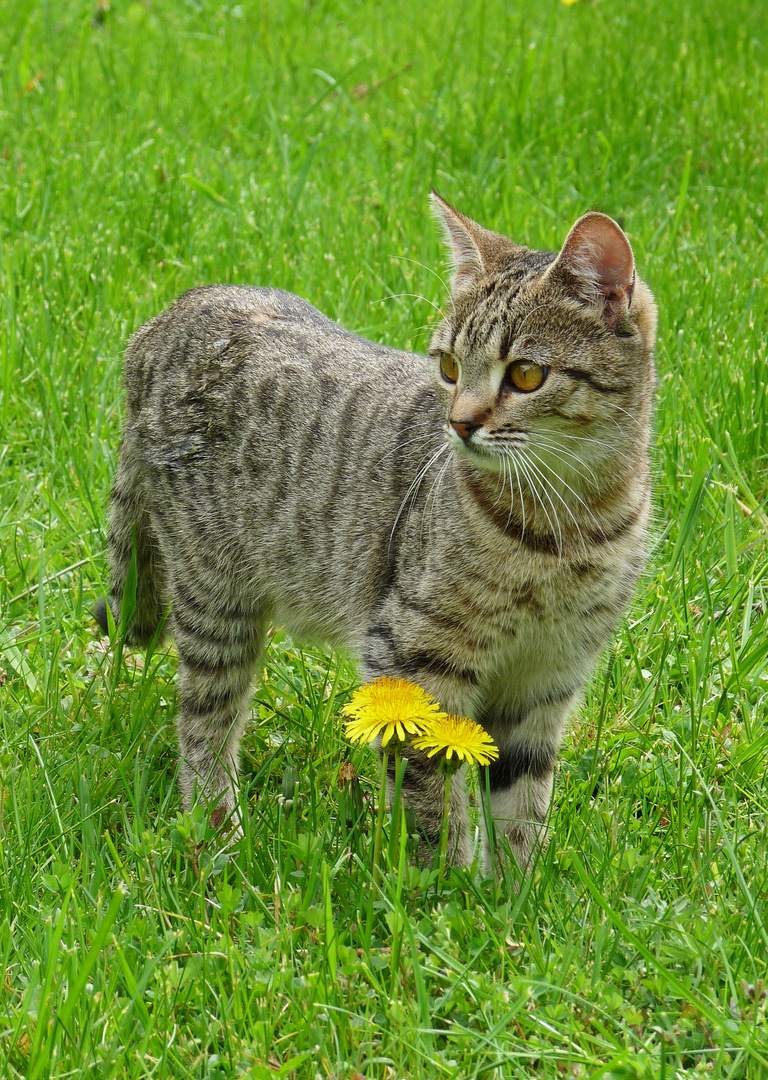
479, 456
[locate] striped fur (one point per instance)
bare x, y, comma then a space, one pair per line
476, 539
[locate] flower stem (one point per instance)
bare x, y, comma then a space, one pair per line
380, 818
396, 808
395, 811
444, 828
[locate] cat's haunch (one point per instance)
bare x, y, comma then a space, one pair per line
474, 521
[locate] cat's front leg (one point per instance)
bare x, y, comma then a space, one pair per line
520, 781
520, 794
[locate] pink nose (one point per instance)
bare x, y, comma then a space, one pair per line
464, 428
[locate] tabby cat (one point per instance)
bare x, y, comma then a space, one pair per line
474, 521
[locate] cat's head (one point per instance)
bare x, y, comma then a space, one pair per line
545, 361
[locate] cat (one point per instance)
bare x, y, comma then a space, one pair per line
474, 521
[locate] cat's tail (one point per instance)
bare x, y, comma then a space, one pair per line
130, 530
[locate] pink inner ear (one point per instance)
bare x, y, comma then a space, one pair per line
597, 249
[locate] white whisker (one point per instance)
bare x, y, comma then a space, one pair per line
507, 464
433, 493
520, 491
629, 414
531, 474
434, 273
410, 296
535, 490
592, 441
409, 442
521, 327
560, 497
412, 490
562, 452
500, 496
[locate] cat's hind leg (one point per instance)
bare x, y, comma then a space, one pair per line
218, 642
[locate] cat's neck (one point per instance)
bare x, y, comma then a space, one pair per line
557, 517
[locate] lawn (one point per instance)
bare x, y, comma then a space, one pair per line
147, 147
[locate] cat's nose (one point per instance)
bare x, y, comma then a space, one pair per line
464, 428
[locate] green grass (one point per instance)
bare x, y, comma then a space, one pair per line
149, 147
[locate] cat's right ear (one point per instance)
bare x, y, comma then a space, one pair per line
476, 251
459, 233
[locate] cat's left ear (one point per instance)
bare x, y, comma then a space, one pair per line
597, 261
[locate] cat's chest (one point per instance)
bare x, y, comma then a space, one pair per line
544, 615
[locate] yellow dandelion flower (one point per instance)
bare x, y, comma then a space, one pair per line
392, 708
458, 735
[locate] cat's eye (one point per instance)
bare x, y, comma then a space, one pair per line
525, 376
449, 367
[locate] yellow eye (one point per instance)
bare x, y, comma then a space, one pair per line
449, 367
525, 376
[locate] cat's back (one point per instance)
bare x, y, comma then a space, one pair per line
211, 309
262, 432
227, 336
